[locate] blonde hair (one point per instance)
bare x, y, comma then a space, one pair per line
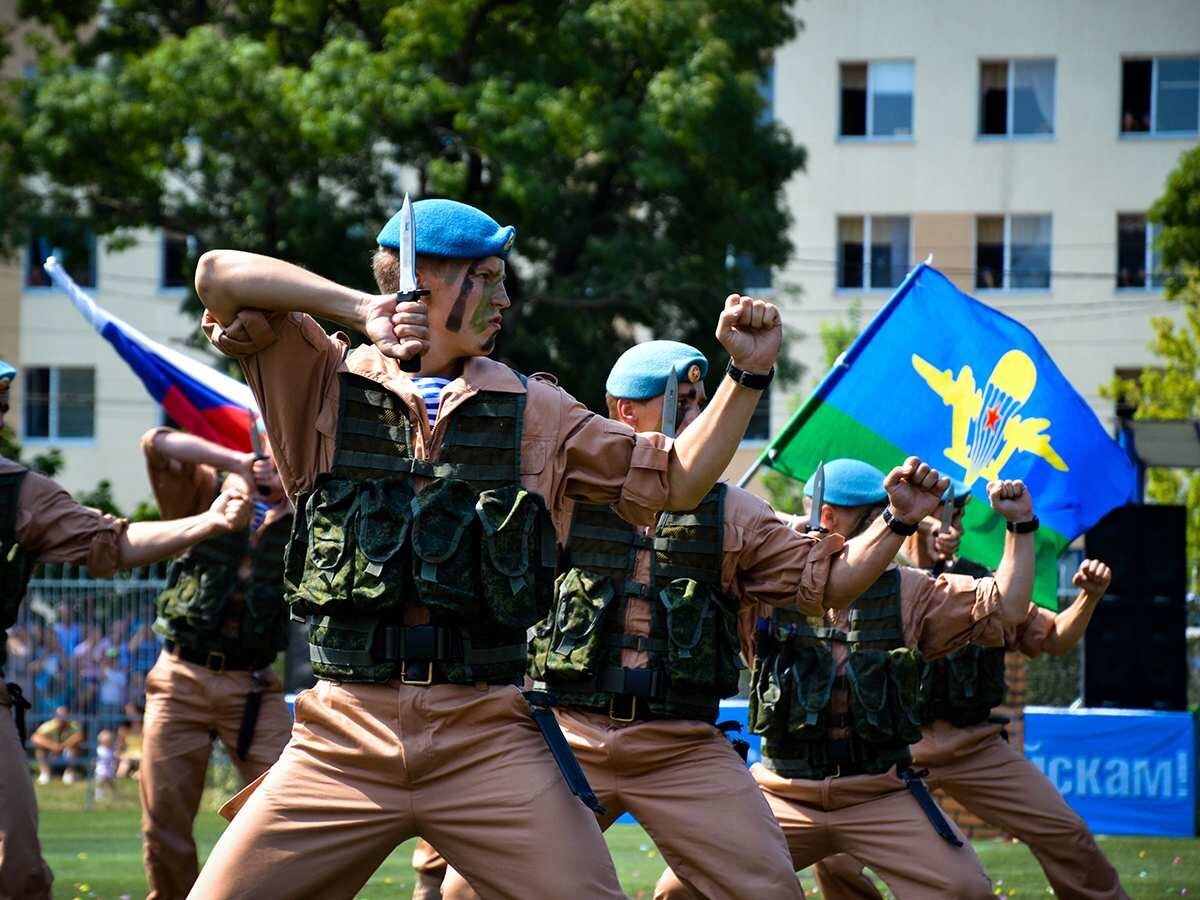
385, 266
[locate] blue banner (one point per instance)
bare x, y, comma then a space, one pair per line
1125, 771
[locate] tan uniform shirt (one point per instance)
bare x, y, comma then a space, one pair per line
763, 561
1038, 634
53, 527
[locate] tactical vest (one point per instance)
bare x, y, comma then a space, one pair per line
194, 608
15, 565
692, 646
474, 547
795, 675
963, 687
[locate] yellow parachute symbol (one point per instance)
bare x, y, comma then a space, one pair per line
985, 430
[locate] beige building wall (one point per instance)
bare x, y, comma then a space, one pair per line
945, 175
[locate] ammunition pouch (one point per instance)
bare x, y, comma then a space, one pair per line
702, 647
963, 687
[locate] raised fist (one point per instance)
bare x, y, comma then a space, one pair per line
751, 332
914, 490
1011, 499
232, 510
1092, 578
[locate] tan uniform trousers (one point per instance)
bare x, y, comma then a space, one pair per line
690, 790
23, 873
430, 869
371, 765
877, 819
185, 705
991, 779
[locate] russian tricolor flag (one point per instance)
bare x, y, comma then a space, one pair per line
202, 400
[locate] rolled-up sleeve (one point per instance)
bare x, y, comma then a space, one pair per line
768, 562
1038, 634
944, 613
180, 489
291, 364
54, 527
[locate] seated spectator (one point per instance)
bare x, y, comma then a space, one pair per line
56, 743
130, 742
106, 763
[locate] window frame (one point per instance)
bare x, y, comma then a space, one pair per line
1006, 270
1009, 105
1154, 132
866, 287
163, 287
870, 107
1149, 232
26, 268
53, 412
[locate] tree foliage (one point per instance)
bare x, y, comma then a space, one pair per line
626, 139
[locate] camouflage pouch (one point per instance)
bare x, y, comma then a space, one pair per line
699, 657
812, 674
867, 673
328, 573
445, 549
770, 696
993, 685
381, 525
573, 646
904, 678
962, 678
510, 520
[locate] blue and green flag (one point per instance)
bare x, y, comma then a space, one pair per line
939, 375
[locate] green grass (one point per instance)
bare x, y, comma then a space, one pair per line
98, 854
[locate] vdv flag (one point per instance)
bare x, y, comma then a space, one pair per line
202, 400
939, 375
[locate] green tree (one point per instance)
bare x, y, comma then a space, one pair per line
1171, 389
48, 463
627, 139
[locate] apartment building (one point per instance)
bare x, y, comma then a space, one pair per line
1019, 143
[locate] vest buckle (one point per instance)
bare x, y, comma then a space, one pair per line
614, 713
215, 661
416, 680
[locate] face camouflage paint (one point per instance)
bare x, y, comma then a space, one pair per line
454, 320
484, 311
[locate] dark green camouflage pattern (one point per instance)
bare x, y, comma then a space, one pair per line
15, 565
964, 687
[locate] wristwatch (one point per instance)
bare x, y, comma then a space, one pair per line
904, 529
749, 379
1024, 527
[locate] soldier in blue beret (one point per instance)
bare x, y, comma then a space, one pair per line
428, 507
836, 698
648, 626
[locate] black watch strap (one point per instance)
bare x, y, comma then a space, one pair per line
904, 529
749, 379
1024, 527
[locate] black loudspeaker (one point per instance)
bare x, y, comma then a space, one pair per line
1135, 649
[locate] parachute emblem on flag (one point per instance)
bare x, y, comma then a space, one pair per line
985, 428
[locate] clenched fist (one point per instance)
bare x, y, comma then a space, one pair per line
1092, 578
1011, 499
399, 330
231, 510
914, 490
750, 331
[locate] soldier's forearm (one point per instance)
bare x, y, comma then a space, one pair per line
189, 448
231, 280
1072, 622
144, 543
699, 455
860, 563
1014, 577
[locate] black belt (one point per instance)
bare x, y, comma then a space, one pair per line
213, 660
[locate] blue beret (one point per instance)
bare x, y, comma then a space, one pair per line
7, 372
641, 372
851, 482
961, 492
451, 229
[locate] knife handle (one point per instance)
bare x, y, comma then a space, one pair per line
413, 363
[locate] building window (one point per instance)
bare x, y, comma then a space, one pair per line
1012, 252
759, 428
1138, 264
176, 248
1016, 97
873, 251
877, 99
1160, 95
60, 402
73, 247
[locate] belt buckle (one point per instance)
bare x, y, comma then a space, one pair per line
219, 665
428, 680
633, 701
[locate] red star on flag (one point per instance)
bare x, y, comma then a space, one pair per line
993, 417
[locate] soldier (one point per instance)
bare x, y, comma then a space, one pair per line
224, 620
836, 700
643, 641
966, 750
427, 511
39, 522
